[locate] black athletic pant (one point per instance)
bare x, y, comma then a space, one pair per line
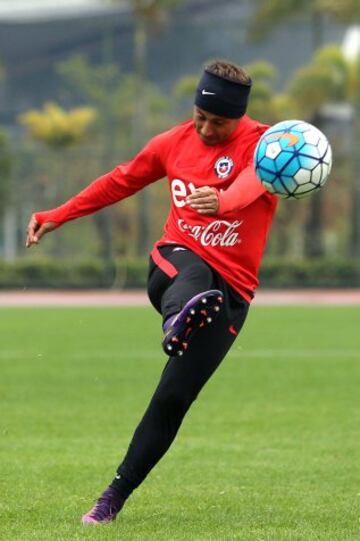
183, 377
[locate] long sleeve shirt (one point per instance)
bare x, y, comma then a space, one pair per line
232, 241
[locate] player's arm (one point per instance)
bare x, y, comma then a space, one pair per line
245, 189
125, 180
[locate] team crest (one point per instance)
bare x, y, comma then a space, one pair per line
224, 166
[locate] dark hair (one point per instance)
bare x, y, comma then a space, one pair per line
228, 70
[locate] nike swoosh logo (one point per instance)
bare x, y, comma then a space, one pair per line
206, 93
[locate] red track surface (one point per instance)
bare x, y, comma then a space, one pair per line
139, 298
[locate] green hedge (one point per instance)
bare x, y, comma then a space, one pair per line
310, 273
55, 274
132, 273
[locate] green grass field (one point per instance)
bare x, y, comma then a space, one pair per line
269, 451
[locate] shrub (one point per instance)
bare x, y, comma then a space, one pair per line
130, 273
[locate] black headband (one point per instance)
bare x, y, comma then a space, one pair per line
221, 96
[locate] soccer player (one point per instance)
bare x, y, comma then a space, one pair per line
203, 271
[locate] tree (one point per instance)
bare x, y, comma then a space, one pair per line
149, 16
58, 130
5, 169
114, 96
329, 78
267, 16
56, 127
7, 214
5, 161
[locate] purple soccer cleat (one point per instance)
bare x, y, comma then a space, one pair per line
199, 311
105, 509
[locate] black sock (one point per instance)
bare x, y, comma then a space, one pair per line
122, 486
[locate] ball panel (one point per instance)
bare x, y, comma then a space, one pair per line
308, 162
325, 173
283, 160
291, 167
312, 136
317, 174
328, 157
323, 145
303, 176
290, 183
280, 188
269, 186
265, 176
310, 151
305, 189
273, 150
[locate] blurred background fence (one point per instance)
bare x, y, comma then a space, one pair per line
84, 83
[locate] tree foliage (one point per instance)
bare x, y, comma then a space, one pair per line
113, 94
269, 14
329, 77
56, 127
154, 12
2, 72
5, 170
265, 103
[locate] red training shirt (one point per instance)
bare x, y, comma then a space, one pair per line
232, 241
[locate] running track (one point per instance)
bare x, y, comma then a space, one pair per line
139, 298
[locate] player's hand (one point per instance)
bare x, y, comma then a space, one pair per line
204, 200
35, 231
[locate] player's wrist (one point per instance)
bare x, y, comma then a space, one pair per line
46, 216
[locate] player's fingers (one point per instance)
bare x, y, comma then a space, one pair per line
44, 228
31, 232
200, 193
36, 231
199, 196
211, 198
210, 209
207, 211
207, 204
204, 200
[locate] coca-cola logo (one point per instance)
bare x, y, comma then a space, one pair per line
217, 233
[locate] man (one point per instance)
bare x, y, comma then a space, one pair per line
203, 271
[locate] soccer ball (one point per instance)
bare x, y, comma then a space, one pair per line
293, 159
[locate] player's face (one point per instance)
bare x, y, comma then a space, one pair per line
213, 129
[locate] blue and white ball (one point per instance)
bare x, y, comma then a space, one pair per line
293, 159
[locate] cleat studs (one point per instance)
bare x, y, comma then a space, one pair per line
220, 299
180, 353
209, 319
192, 311
185, 345
204, 300
202, 324
188, 319
169, 347
174, 339
216, 308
